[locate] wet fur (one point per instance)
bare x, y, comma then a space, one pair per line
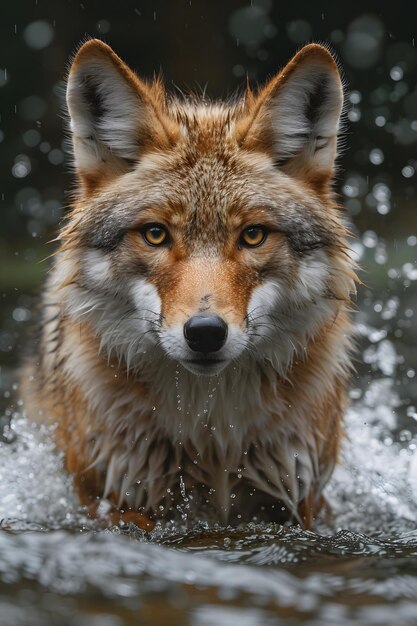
259, 438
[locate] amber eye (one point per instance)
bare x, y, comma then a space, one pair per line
155, 234
253, 236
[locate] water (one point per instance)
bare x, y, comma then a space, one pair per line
359, 565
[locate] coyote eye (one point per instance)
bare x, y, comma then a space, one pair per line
155, 234
253, 236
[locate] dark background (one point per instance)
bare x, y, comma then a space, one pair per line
214, 45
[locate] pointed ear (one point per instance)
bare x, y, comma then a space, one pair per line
114, 116
296, 116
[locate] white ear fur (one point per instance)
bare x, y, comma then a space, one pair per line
300, 110
105, 109
306, 115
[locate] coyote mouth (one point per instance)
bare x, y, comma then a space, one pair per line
205, 365
206, 362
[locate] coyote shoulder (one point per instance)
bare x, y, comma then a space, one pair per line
195, 331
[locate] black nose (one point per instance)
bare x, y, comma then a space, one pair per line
205, 333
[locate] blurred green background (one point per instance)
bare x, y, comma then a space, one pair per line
214, 45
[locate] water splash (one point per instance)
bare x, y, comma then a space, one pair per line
34, 489
371, 489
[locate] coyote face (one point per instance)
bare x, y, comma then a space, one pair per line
204, 233
202, 269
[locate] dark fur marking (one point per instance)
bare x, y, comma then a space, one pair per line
316, 100
325, 143
304, 231
303, 242
105, 240
92, 97
141, 268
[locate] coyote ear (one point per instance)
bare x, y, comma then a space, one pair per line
296, 116
114, 115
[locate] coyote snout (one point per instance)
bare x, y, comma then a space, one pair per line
207, 345
205, 335
204, 311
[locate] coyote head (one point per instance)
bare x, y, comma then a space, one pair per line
204, 233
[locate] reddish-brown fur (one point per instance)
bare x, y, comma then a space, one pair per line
201, 167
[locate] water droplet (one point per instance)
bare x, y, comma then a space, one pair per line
354, 115
383, 208
396, 73
22, 166
412, 412
370, 239
103, 26
355, 97
410, 271
38, 34
376, 156
408, 171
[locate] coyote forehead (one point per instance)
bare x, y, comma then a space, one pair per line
200, 294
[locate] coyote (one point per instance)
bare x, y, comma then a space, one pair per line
195, 332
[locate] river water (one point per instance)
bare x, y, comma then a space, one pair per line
357, 567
